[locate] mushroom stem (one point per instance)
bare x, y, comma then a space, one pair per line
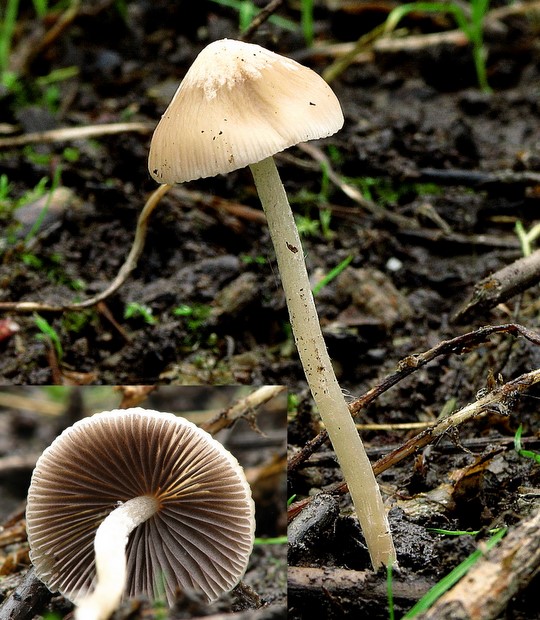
318, 368
110, 551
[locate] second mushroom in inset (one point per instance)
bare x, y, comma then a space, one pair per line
137, 502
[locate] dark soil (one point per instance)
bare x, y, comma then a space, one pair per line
451, 171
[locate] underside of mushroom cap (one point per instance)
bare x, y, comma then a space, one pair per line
238, 104
201, 536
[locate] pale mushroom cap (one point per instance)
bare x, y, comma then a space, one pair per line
238, 104
200, 538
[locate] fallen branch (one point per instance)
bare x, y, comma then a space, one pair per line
500, 286
359, 588
488, 587
27, 600
412, 363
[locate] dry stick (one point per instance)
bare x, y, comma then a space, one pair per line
305, 585
222, 205
242, 407
134, 395
412, 363
66, 134
320, 159
501, 285
259, 19
478, 178
470, 444
14, 466
128, 266
35, 404
406, 225
374, 40
498, 400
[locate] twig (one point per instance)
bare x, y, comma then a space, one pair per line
498, 401
125, 270
66, 134
15, 464
242, 407
442, 239
349, 190
374, 42
479, 178
469, 444
219, 204
103, 309
54, 362
364, 43
37, 405
412, 363
419, 42
500, 286
458, 345
134, 395
260, 18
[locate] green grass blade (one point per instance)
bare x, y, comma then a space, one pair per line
277, 540
397, 14
459, 532
307, 21
333, 273
528, 454
390, 591
7, 25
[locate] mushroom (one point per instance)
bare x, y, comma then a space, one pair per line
133, 502
238, 105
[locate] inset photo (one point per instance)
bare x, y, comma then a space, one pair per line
142, 502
